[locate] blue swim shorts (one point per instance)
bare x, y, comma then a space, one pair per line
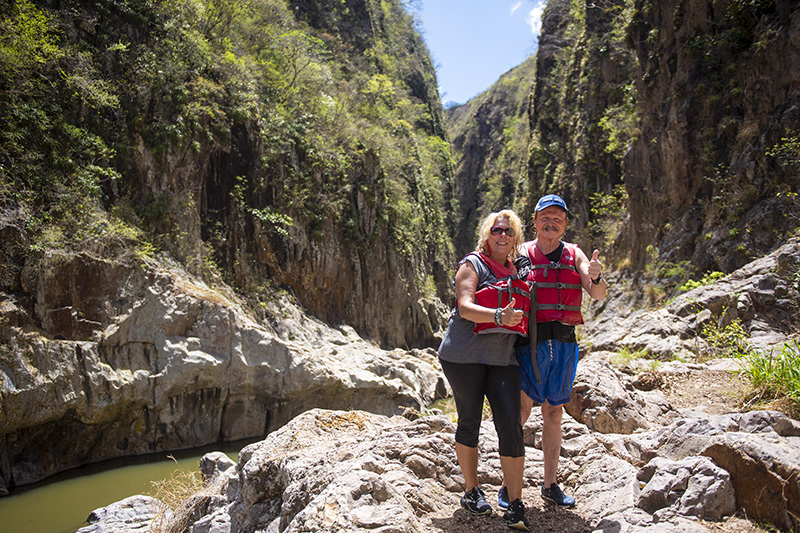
558, 362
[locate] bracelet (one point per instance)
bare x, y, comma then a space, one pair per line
497, 320
598, 279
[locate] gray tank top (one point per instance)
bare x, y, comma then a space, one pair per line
461, 345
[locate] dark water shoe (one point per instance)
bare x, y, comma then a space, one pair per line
556, 495
514, 516
475, 502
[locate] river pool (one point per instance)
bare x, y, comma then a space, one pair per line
62, 504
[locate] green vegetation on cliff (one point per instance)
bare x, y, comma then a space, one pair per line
717, 94
583, 112
670, 129
192, 126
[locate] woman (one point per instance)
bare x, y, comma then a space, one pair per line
478, 364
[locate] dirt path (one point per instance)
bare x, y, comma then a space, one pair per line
714, 391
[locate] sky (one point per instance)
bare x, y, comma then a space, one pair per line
474, 42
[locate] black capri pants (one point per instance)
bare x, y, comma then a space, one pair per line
500, 384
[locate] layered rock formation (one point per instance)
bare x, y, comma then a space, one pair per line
146, 359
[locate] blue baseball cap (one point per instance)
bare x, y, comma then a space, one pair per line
551, 199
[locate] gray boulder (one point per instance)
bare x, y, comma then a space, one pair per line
693, 486
131, 515
606, 400
759, 450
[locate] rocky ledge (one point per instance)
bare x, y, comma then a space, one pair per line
763, 296
356, 471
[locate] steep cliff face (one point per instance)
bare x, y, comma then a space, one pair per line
691, 106
713, 174
264, 144
360, 242
489, 138
351, 247
583, 75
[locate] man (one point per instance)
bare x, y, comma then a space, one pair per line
559, 271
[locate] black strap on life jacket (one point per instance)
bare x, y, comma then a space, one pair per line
558, 285
555, 266
533, 328
560, 307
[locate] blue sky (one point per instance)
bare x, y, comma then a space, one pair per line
473, 42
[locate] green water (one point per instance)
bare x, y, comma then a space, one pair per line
62, 504
446, 405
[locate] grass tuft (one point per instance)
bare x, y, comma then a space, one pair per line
775, 378
179, 495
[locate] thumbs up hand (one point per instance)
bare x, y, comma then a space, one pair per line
510, 316
595, 266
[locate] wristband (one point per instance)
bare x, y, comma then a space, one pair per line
497, 320
599, 278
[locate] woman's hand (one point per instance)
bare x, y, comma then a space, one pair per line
510, 316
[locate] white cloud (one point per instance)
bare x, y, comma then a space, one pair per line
515, 7
534, 18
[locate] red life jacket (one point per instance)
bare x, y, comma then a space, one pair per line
557, 286
499, 293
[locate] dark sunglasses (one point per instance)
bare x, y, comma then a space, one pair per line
497, 230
